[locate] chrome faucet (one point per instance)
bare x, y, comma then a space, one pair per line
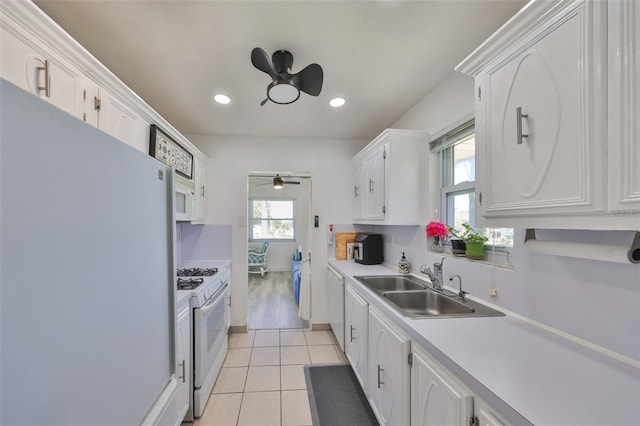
461, 293
437, 269
436, 275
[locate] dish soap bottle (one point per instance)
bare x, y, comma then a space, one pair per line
403, 265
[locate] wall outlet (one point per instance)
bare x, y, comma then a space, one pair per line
493, 292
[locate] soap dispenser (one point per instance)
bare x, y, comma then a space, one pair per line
403, 265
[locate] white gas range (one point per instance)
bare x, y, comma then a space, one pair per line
208, 288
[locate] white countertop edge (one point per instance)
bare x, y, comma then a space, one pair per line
525, 373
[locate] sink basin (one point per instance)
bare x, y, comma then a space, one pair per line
414, 297
426, 303
384, 283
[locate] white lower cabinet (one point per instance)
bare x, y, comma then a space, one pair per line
436, 398
356, 320
183, 359
388, 378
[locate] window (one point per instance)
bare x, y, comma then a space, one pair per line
272, 219
457, 150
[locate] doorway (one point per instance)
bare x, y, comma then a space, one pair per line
279, 249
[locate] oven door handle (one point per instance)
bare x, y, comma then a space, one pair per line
210, 304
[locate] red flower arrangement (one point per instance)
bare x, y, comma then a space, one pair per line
437, 229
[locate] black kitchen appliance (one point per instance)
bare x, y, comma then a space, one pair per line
367, 249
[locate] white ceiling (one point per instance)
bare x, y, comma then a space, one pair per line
382, 56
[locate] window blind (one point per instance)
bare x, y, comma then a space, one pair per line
453, 137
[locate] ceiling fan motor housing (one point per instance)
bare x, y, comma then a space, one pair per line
282, 61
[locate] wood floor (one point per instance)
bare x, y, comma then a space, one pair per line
271, 302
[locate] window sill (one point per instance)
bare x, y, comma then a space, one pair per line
499, 259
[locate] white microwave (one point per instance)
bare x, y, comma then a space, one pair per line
184, 198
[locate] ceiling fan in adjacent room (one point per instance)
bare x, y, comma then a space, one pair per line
278, 181
286, 87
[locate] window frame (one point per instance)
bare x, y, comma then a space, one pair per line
293, 219
443, 146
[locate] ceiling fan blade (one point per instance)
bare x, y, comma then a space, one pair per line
309, 80
264, 102
290, 182
260, 60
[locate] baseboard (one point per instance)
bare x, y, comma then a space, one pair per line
238, 329
320, 326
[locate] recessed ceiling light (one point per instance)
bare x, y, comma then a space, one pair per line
222, 99
336, 102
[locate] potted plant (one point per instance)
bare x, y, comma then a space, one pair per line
474, 240
458, 246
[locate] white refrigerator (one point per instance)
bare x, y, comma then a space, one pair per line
86, 275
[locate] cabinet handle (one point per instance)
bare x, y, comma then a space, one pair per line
351, 338
97, 103
47, 85
370, 185
379, 371
355, 190
519, 117
202, 191
183, 377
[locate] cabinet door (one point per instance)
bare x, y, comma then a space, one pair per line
88, 101
40, 74
356, 322
358, 194
624, 106
199, 199
374, 184
183, 358
388, 372
120, 121
435, 399
549, 90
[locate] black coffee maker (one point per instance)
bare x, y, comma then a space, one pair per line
367, 249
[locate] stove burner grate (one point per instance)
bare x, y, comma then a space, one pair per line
196, 272
189, 283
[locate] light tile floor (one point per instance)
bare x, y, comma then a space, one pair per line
262, 379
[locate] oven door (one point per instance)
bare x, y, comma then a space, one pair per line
210, 333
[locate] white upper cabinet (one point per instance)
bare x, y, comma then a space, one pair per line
121, 121
374, 206
38, 56
387, 173
39, 72
624, 106
541, 120
358, 194
200, 177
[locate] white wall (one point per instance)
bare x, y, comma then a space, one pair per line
596, 301
231, 160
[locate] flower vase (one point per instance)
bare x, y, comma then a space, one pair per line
437, 247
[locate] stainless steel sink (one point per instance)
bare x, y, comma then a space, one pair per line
384, 283
414, 297
426, 303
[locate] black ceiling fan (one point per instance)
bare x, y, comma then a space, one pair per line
285, 87
278, 181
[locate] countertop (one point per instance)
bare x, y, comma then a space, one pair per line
524, 372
